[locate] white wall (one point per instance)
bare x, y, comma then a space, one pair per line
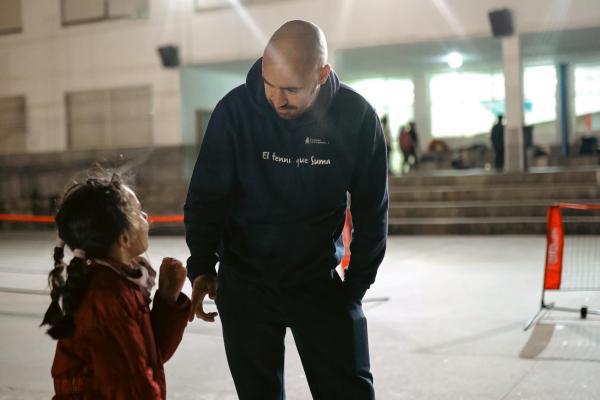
356, 23
46, 60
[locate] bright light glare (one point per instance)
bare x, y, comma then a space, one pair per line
249, 21
455, 60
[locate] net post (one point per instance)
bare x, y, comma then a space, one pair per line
553, 264
554, 248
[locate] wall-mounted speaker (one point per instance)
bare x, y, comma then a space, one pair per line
501, 21
169, 56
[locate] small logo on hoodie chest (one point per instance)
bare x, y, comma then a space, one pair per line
310, 140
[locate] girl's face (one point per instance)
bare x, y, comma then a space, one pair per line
138, 229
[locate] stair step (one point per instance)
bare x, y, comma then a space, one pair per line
524, 192
455, 178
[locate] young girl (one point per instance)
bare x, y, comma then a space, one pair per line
110, 344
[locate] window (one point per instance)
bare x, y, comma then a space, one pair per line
83, 11
465, 103
10, 16
587, 89
110, 118
394, 97
204, 5
587, 97
539, 90
12, 124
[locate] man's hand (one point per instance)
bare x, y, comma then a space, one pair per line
171, 279
203, 285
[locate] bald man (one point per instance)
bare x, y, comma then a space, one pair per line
267, 200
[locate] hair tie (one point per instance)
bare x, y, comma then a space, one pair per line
78, 253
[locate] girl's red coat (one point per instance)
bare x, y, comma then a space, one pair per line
119, 345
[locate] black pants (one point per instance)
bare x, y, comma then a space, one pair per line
406, 157
330, 333
499, 159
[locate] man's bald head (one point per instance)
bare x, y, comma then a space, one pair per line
299, 43
294, 67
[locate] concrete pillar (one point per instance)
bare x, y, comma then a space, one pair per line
422, 109
514, 153
565, 105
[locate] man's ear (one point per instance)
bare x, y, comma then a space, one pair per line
324, 74
125, 240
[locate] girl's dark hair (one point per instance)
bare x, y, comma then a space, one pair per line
90, 217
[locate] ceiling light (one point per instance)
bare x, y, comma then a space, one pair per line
455, 60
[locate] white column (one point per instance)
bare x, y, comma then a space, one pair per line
422, 109
565, 107
514, 154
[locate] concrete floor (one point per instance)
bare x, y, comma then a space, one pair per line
452, 328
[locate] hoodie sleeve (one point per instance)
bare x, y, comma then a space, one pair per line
369, 208
208, 199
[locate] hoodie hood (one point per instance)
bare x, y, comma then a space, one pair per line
327, 93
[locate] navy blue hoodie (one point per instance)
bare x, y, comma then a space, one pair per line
268, 196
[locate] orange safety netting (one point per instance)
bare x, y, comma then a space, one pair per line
555, 242
347, 238
50, 219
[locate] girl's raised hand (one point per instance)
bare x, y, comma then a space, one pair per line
171, 279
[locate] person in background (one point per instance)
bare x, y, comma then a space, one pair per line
406, 144
414, 137
497, 138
